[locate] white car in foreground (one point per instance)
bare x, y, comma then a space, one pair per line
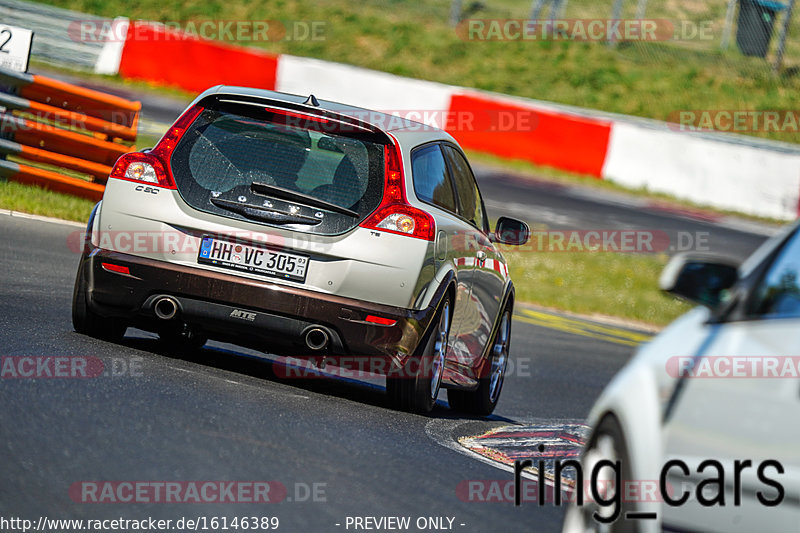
701, 427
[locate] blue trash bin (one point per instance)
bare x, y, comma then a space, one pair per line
756, 23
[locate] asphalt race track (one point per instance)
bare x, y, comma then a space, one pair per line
547, 206
217, 414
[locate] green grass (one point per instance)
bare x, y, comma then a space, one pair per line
605, 283
413, 38
37, 201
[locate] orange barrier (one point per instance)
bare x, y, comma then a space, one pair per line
519, 131
61, 141
51, 122
56, 115
47, 179
96, 170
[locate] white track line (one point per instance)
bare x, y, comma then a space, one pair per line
40, 218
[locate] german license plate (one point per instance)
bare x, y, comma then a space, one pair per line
254, 259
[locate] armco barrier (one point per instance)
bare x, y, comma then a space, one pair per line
63, 125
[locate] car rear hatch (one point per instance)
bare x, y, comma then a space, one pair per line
280, 164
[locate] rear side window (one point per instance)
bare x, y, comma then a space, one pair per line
431, 181
228, 150
471, 204
778, 294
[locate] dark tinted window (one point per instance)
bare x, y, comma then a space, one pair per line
471, 205
431, 181
228, 149
778, 294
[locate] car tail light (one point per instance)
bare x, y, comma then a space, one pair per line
380, 320
153, 166
119, 269
144, 167
395, 214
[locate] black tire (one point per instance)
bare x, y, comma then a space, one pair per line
415, 387
607, 442
483, 400
86, 321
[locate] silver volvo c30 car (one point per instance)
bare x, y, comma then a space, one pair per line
308, 228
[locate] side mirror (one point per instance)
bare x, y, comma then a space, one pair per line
511, 231
702, 279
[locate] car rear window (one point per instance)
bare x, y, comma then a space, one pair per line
227, 150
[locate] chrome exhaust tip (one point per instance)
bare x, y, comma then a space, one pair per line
165, 308
316, 338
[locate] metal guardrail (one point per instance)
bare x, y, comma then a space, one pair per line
54, 30
74, 134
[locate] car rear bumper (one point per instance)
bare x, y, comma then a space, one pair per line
252, 312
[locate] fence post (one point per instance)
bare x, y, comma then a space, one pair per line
616, 14
784, 32
641, 9
536, 9
726, 31
455, 13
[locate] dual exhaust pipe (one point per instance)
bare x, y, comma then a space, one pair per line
316, 338
166, 307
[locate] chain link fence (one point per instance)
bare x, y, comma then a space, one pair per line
754, 35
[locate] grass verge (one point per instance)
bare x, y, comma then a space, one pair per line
603, 283
38, 201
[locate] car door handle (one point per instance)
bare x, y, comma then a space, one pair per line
481, 255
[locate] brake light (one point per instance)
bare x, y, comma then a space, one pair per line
153, 166
395, 214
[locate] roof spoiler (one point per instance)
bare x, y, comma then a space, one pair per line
307, 116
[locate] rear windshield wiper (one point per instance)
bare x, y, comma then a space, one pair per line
300, 198
263, 214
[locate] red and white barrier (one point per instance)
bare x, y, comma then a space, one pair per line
724, 171
552, 138
169, 57
369, 89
